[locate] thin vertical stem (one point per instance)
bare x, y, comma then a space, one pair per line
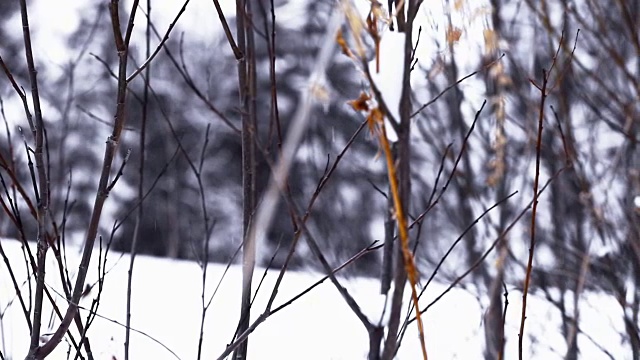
104, 187
42, 194
141, 148
532, 242
247, 86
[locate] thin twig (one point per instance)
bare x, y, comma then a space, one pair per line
141, 172
534, 211
455, 84
120, 170
189, 81
269, 312
225, 26
160, 45
122, 46
499, 238
43, 194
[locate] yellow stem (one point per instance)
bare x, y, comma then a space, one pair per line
409, 263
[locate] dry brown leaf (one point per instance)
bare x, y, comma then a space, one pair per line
490, 40
453, 34
375, 119
361, 103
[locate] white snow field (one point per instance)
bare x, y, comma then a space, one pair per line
167, 307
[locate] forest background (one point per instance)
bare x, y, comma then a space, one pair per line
561, 81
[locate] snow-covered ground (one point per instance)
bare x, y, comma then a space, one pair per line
166, 307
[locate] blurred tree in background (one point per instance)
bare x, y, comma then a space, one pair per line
186, 105
168, 225
589, 152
